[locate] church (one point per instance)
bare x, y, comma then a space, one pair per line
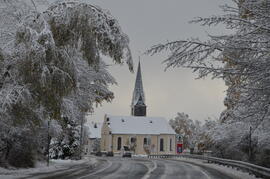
139, 133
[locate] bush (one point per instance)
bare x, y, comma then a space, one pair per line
22, 157
263, 158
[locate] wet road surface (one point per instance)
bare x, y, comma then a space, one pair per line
135, 168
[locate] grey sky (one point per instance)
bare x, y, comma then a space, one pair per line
148, 22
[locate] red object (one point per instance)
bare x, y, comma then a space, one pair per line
179, 148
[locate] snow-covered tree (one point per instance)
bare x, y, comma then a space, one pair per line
52, 70
187, 128
193, 132
206, 135
241, 58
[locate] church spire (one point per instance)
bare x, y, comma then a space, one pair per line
138, 107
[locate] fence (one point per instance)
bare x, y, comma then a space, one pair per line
256, 170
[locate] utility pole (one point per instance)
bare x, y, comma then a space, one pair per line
81, 139
249, 151
48, 144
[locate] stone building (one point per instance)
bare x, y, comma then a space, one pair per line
141, 134
92, 141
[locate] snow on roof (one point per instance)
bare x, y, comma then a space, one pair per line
94, 130
139, 125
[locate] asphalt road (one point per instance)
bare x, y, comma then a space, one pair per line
136, 168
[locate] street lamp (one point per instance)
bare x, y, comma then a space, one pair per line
48, 143
249, 151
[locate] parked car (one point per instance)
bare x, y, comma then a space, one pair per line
99, 153
109, 154
126, 152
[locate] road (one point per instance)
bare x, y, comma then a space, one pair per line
136, 168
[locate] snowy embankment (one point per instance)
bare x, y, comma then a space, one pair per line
237, 174
55, 165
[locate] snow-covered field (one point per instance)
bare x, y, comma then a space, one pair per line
55, 165
237, 174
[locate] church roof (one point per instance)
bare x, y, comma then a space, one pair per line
94, 130
139, 125
138, 93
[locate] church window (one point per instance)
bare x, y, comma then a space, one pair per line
119, 143
132, 140
161, 145
171, 144
145, 141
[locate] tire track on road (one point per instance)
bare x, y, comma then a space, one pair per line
98, 171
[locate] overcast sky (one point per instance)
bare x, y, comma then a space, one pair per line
148, 22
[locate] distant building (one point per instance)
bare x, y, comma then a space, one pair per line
141, 134
92, 142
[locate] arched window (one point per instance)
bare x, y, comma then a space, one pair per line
132, 140
145, 141
171, 144
161, 145
119, 143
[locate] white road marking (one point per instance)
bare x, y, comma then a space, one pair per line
164, 174
199, 169
98, 171
150, 170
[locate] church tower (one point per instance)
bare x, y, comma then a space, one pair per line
138, 107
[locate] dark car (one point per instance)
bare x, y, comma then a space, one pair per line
109, 154
126, 152
99, 154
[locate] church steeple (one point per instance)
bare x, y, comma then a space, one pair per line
138, 107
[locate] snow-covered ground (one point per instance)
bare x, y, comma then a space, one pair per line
237, 174
55, 165
140, 156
